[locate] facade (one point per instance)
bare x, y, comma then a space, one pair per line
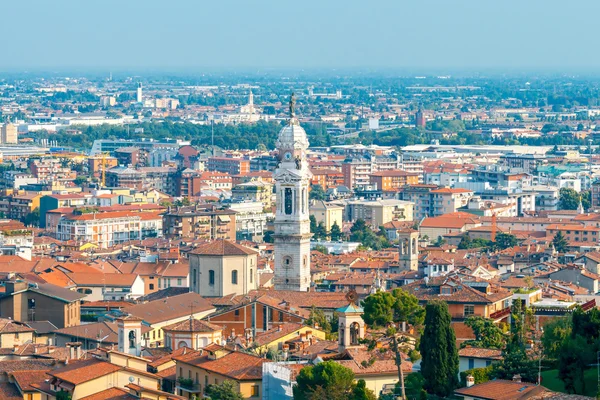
54, 201
254, 191
421, 196
393, 180
9, 134
327, 213
221, 268
24, 302
408, 240
448, 200
202, 222
250, 220
229, 165
379, 212
292, 223
193, 333
109, 228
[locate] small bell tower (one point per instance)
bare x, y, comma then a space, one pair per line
351, 327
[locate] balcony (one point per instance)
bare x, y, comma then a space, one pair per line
501, 314
188, 385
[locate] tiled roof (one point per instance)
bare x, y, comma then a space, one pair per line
478, 352
264, 338
301, 299
25, 378
111, 394
235, 365
192, 325
501, 390
117, 280
11, 326
222, 247
84, 371
169, 308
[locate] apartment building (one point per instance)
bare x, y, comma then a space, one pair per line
447, 200
393, 180
54, 201
378, 212
328, 213
200, 221
229, 165
420, 196
109, 228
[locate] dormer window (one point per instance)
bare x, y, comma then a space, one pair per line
446, 290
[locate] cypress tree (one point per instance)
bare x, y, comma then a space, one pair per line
439, 365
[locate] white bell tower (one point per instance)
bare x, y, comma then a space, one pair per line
292, 223
130, 335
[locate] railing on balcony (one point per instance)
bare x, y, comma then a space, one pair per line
189, 386
505, 312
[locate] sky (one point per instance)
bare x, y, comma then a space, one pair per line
308, 34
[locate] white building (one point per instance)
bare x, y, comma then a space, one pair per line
292, 224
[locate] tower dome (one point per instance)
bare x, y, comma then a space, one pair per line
292, 136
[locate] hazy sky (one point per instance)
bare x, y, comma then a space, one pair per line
438, 34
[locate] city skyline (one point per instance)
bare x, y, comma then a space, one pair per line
430, 35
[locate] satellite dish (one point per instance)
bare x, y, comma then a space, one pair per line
131, 379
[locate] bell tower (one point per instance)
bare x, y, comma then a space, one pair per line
408, 240
292, 223
351, 326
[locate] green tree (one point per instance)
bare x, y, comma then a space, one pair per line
268, 237
321, 249
505, 241
487, 334
573, 359
515, 359
586, 199
439, 365
336, 232
317, 192
560, 242
320, 231
556, 332
388, 310
440, 241
362, 392
465, 242
313, 224
317, 318
360, 232
569, 199
63, 395
32, 219
327, 378
224, 391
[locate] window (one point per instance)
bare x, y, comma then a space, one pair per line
469, 310
254, 390
446, 290
237, 313
234, 277
179, 282
159, 283
288, 201
195, 277
211, 277
151, 286
16, 335
251, 277
471, 363
205, 380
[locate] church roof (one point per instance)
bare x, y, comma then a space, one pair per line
350, 308
291, 134
222, 247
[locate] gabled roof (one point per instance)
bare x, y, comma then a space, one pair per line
235, 365
170, 308
84, 371
222, 247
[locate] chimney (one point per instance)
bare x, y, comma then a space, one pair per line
470, 381
516, 378
309, 335
15, 348
279, 327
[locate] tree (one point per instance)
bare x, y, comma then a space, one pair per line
360, 232
320, 231
439, 365
336, 232
465, 242
440, 241
487, 334
321, 249
361, 392
317, 318
224, 391
268, 237
569, 199
515, 360
505, 241
326, 380
560, 242
556, 332
313, 224
389, 310
32, 219
317, 193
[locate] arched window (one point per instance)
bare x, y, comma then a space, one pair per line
132, 339
354, 333
287, 262
181, 344
234, 277
288, 201
414, 246
211, 277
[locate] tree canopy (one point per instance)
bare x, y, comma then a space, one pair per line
329, 380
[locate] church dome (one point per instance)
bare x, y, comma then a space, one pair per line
292, 136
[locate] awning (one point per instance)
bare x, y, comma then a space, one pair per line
224, 218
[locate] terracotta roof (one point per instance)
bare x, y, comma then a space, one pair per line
11, 326
451, 190
222, 247
111, 394
301, 299
169, 308
120, 280
192, 325
264, 338
235, 365
478, 352
25, 378
501, 390
83, 371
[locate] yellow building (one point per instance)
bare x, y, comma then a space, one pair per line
214, 365
14, 333
192, 333
327, 213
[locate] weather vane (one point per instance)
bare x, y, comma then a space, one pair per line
292, 105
